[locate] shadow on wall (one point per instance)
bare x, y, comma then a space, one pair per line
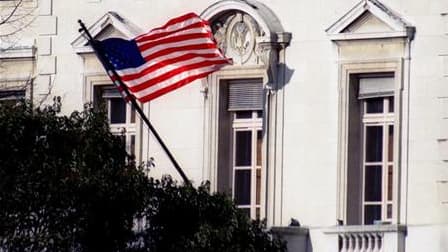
283, 69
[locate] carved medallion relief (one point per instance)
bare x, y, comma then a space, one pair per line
236, 36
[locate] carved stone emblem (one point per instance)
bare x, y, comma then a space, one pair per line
240, 38
235, 35
219, 32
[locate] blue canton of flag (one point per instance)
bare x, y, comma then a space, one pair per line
122, 53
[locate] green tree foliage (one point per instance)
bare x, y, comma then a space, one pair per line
67, 184
182, 218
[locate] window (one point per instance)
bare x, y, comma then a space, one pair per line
121, 115
247, 141
240, 169
371, 162
259, 59
378, 165
11, 97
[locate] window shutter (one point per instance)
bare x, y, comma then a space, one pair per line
12, 95
245, 95
376, 87
111, 92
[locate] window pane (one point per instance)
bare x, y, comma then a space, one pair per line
389, 211
242, 187
132, 145
243, 148
389, 182
258, 189
132, 114
374, 143
374, 105
372, 213
259, 143
391, 104
390, 151
117, 110
243, 114
372, 188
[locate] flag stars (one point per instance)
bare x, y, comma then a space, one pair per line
121, 54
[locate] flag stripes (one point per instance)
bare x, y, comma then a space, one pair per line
173, 55
160, 71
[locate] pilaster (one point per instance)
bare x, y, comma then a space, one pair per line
46, 60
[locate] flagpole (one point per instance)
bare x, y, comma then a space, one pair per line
107, 64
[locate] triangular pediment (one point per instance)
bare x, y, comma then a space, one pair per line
109, 25
367, 23
370, 19
108, 32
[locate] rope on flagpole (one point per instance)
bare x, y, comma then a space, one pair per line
131, 98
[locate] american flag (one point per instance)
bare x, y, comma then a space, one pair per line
165, 58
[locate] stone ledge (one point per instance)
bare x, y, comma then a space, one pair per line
297, 238
290, 230
367, 228
16, 53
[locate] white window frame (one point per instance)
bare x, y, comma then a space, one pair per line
271, 184
384, 120
127, 129
212, 108
253, 124
348, 69
95, 80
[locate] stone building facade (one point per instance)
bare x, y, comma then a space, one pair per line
334, 113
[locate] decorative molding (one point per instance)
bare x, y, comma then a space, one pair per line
268, 53
397, 26
240, 31
262, 15
22, 49
236, 35
18, 53
109, 20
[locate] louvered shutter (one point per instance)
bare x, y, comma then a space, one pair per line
245, 95
12, 95
376, 87
111, 92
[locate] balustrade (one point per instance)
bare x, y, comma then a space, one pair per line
369, 238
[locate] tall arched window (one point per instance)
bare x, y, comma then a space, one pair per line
240, 103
